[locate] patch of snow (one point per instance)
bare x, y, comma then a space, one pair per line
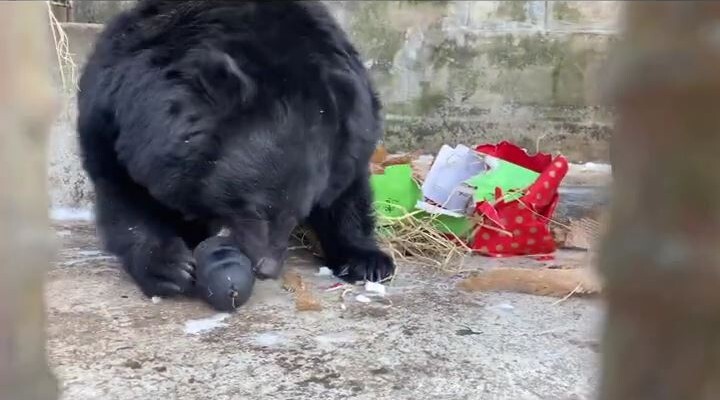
591, 167
597, 167
336, 338
79, 261
195, 326
375, 287
362, 298
91, 253
269, 339
71, 214
501, 308
324, 271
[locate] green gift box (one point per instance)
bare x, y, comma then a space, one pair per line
396, 194
510, 178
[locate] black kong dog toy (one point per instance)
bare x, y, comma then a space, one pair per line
224, 274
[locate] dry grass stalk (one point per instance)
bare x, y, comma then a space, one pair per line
292, 282
415, 239
409, 238
307, 239
305, 300
560, 283
382, 159
380, 155
65, 63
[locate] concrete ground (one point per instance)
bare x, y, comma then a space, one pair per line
426, 340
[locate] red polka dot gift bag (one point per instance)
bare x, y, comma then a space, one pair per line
517, 224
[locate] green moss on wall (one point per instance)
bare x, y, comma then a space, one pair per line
517, 53
566, 60
449, 53
513, 10
430, 99
428, 102
458, 83
564, 11
374, 33
463, 72
441, 3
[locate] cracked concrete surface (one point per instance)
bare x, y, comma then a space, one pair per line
434, 342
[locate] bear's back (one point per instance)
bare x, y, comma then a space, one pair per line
270, 40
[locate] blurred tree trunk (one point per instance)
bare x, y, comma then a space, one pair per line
27, 105
661, 256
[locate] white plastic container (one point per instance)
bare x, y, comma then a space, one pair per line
443, 184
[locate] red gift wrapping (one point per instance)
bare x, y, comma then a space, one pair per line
520, 227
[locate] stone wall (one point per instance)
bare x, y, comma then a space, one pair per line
98, 12
447, 71
475, 71
69, 186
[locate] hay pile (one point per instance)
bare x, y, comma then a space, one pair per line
409, 238
414, 237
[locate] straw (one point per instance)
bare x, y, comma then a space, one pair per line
66, 64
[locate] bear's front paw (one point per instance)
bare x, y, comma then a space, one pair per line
164, 271
374, 266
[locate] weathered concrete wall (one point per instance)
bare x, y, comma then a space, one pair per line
448, 72
98, 11
69, 186
474, 71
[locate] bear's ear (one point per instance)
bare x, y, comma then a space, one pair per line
218, 77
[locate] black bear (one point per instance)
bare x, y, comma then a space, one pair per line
253, 115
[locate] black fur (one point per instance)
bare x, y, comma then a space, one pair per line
256, 115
